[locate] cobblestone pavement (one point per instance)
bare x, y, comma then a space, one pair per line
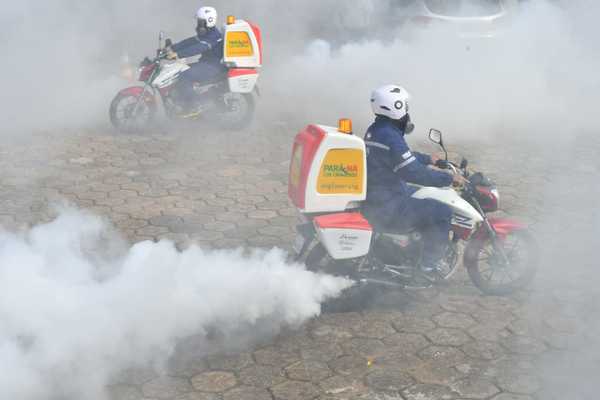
229, 190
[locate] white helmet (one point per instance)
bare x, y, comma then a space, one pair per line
207, 16
390, 101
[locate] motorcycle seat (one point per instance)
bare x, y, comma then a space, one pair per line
383, 227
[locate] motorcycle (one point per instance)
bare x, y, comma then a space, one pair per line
228, 100
500, 255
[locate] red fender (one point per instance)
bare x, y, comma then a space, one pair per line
137, 91
502, 226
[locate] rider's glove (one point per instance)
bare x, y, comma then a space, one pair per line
171, 55
458, 180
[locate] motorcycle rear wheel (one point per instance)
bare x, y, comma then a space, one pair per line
483, 263
238, 111
129, 114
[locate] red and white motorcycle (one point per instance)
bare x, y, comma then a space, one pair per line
229, 99
328, 186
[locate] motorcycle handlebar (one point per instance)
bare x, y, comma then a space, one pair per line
456, 169
442, 164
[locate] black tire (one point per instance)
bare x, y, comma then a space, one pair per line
239, 113
524, 256
122, 105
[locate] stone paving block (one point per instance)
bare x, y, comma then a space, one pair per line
247, 393
444, 356
448, 337
342, 387
510, 396
166, 387
428, 392
374, 329
388, 380
322, 352
197, 396
350, 365
454, 320
412, 324
323, 331
230, 362
275, 357
519, 383
523, 345
214, 381
475, 388
309, 371
295, 390
262, 376
483, 350
365, 347
408, 342
433, 373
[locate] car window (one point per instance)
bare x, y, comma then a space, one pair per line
464, 8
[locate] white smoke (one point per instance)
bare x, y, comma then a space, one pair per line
526, 80
73, 313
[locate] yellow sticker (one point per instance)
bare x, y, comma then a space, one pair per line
238, 44
342, 172
296, 166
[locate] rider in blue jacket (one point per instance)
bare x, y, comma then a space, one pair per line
391, 164
208, 44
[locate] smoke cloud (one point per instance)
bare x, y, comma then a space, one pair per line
77, 306
62, 289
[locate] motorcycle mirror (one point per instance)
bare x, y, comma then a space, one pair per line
464, 163
168, 43
436, 137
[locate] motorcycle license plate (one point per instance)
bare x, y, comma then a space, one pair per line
299, 243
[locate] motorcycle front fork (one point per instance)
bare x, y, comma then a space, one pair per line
498, 247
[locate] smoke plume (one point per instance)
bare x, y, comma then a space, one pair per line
77, 306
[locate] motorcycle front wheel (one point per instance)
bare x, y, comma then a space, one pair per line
236, 111
492, 274
130, 114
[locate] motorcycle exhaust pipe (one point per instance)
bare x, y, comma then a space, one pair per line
368, 281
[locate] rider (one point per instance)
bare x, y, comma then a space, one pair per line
208, 45
390, 164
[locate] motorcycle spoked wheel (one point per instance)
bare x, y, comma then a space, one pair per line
129, 114
236, 111
491, 275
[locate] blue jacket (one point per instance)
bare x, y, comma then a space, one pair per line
210, 45
390, 164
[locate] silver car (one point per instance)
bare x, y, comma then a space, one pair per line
470, 18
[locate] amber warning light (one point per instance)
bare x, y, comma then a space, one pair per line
230, 20
345, 126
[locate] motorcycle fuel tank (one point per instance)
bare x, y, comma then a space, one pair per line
169, 73
464, 213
